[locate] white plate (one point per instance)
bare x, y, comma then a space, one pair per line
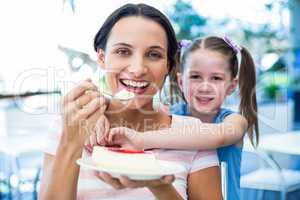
166, 168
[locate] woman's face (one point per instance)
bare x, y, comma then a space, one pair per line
135, 58
206, 81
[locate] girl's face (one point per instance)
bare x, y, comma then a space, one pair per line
135, 59
206, 81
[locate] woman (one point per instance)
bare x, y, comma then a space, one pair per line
137, 48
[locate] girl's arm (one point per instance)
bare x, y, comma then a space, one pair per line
191, 134
197, 135
205, 184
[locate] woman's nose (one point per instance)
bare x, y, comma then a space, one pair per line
137, 66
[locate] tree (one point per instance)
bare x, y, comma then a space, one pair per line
186, 20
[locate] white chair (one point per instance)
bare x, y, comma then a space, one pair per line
28, 172
224, 175
6, 190
271, 178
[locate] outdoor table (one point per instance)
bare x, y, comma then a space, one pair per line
287, 143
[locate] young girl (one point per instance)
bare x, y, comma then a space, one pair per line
210, 70
136, 59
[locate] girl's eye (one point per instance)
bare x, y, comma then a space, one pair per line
217, 78
195, 77
154, 55
123, 52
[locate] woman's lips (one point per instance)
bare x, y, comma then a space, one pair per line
135, 86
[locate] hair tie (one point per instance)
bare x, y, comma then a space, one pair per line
236, 48
184, 44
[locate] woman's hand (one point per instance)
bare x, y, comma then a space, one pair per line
126, 138
82, 107
125, 182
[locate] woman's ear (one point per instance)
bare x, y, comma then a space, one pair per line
101, 57
232, 86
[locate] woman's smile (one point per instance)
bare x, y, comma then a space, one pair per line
135, 86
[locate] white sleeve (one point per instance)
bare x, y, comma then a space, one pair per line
53, 136
204, 159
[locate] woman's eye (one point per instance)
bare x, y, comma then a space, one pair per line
154, 55
123, 52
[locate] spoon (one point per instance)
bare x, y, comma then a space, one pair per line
122, 95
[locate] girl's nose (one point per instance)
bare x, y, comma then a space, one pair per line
205, 87
137, 66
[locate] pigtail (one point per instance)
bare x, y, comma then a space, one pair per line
248, 103
174, 90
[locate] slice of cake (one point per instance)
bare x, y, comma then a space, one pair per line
125, 160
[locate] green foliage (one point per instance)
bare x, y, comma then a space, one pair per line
186, 20
271, 90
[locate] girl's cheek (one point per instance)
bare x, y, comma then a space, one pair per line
191, 92
193, 86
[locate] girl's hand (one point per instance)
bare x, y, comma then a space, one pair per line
99, 132
126, 138
82, 107
125, 182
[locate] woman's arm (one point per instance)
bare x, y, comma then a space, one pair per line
197, 135
165, 192
60, 171
205, 184
161, 188
82, 107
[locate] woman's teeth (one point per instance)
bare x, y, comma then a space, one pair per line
135, 84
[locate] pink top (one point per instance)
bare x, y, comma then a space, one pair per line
91, 187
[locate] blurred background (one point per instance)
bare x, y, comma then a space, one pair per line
46, 47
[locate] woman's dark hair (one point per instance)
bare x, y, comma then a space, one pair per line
142, 10
245, 73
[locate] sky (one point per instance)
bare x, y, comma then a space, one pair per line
32, 29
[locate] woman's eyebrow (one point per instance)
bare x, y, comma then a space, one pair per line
122, 44
151, 47
157, 47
